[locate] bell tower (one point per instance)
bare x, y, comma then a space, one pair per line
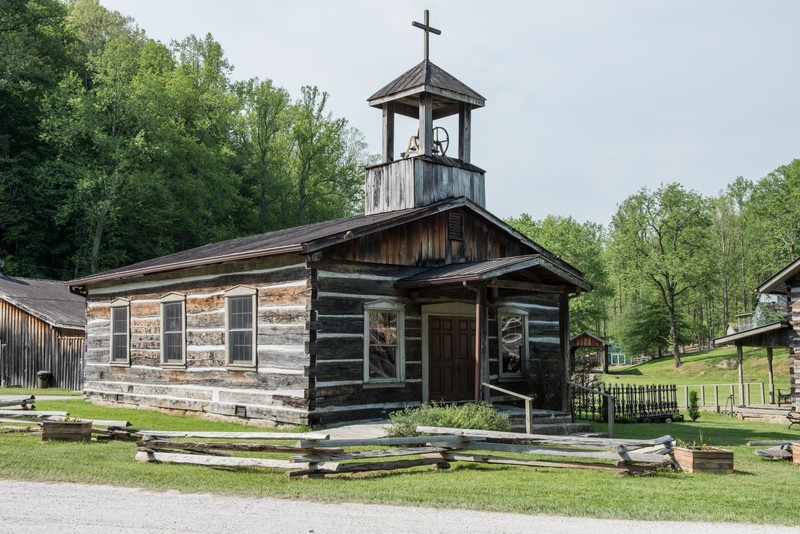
424, 173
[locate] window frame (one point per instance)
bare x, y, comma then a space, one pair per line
170, 299
120, 304
386, 306
523, 315
239, 292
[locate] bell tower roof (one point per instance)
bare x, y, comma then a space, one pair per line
446, 92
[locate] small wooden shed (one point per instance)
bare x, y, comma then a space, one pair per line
589, 340
41, 329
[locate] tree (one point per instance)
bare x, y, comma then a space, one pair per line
581, 245
663, 236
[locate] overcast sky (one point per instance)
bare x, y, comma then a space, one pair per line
587, 101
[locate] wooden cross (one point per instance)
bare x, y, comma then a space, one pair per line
428, 29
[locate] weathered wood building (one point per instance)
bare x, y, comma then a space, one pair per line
41, 329
425, 297
778, 330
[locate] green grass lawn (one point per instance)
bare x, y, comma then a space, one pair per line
25, 392
756, 493
703, 368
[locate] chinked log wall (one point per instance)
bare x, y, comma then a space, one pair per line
277, 390
337, 348
794, 341
32, 345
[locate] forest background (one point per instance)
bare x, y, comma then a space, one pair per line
115, 148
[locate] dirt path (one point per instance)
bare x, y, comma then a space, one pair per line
32, 507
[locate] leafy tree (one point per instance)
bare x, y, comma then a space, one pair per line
581, 245
663, 235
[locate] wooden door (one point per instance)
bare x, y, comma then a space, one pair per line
451, 358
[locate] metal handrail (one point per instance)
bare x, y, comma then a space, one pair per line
608, 397
528, 403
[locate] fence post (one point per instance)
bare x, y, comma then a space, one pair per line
611, 416
702, 395
686, 395
762, 393
716, 396
528, 416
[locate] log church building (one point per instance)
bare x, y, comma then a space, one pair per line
425, 297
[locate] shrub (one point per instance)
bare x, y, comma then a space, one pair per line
481, 416
694, 406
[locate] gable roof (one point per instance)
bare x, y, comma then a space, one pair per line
774, 283
426, 78
49, 300
589, 335
309, 238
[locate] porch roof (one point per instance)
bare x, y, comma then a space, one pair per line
535, 269
771, 335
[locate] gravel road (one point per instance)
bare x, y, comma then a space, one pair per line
33, 507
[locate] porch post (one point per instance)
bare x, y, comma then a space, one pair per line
481, 343
563, 325
740, 360
771, 377
605, 359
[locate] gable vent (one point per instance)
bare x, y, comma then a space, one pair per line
455, 227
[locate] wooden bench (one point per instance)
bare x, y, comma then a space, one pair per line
794, 418
785, 397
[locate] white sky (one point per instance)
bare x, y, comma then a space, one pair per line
587, 100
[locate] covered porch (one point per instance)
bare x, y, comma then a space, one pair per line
499, 324
769, 336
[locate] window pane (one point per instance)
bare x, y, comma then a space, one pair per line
241, 347
240, 312
511, 338
382, 328
119, 334
382, 362
173, 347
173, 317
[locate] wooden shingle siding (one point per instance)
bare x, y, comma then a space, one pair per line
425, 243
32, 345
277, 389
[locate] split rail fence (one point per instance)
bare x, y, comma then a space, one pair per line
315, 455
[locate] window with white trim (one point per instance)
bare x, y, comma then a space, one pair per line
120, 332
384, 342
240, 329
173, 330
512, 335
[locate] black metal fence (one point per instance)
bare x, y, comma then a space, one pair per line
631, 403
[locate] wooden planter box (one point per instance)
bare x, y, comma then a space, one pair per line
796, 453
67, 430
704, 460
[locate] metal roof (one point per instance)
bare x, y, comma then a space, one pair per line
49, 300
427, 78
494, 268
310, 238
744, 335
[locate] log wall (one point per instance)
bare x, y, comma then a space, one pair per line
793, 286
32, 345
276, 390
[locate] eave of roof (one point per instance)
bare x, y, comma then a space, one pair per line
459, 273
587, 334
739, 336
47, 300
426, 77
792, 268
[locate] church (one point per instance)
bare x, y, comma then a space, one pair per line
425, 297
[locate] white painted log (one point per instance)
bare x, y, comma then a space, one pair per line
566, 453
555, 439
234, 435
222, 461
454, 441
31, 413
